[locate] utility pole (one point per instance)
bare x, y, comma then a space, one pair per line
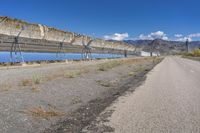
152, 47
187, 45
125, 53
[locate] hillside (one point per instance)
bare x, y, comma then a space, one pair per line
163, 46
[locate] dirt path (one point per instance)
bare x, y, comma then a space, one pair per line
34, 98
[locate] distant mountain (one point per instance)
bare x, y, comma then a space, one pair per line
195, 44
163, 46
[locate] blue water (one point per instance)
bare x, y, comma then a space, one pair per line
27, 56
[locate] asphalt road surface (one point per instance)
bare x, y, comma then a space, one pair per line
168, 101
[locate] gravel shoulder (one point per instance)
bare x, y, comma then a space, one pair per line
35, 98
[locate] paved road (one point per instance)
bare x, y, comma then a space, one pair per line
168, 101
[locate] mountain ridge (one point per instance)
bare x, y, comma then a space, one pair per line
163, 46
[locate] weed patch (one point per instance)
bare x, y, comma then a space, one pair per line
36, 79
74, 73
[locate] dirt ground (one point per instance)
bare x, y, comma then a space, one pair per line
64, 97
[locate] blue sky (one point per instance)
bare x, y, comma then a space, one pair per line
115, 19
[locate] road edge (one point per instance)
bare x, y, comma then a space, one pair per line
83, 116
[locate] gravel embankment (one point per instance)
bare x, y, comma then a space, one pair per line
34, 98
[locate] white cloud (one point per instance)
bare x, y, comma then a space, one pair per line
159, 35
183, 39
143, 37
162, 35
154, 35
178, 35
196, 35
116, 36
190, 37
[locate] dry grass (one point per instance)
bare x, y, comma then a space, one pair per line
5, 87
131, 74
26, 82
52, 76
44, 113
36, 79
35, 89
75, 73
114, 63
195, 53
72, 74
109, 65
66, 74
140, 69
104, 83
131, 61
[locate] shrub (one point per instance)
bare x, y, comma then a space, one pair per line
36, 79
196, 52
